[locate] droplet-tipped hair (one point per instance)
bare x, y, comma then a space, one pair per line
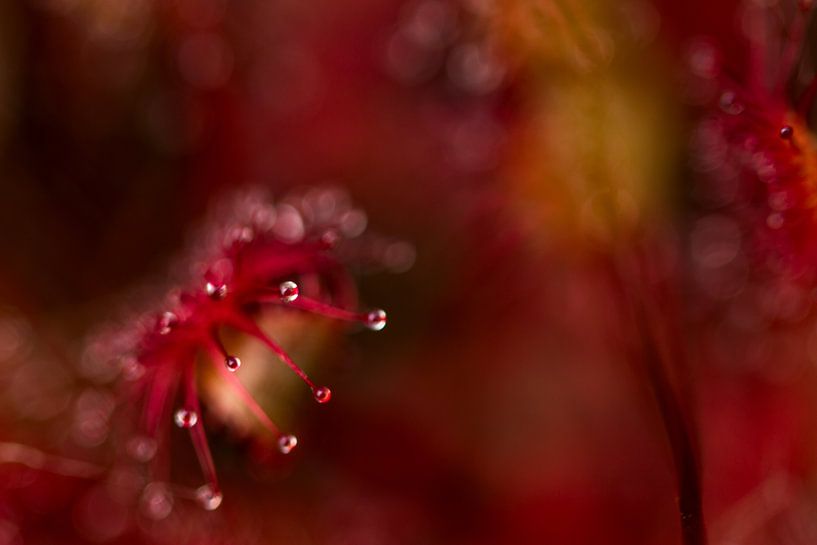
253, 256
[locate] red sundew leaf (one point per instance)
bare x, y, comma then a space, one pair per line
759, 136
250, 261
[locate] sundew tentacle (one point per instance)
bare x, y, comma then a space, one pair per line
245, 396
251, 328
294, 252
189, 417
288, 294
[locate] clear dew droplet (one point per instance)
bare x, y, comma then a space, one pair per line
246, 234
353, 223
185, 418
215, 291
786, 132
208, 498
157, 501
289, 227
765, 166
729, 103
289, 291
238, 236
232, 363
286, 443
775, 220
376, 320
323, 394
132, 369
166, 323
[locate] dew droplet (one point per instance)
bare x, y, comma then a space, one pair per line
238, 236
399, 257
132, 369
353, 223
779, 201
208, 498
376, 320
474, 69
289, 291
286, 443
157, 501
215, 291
289, 226
702, 57
141, 449
765, 167
323, 394
166, 323
715, 241
263, 218
232, 363
185, 418
775, 220
786, 132
729, 103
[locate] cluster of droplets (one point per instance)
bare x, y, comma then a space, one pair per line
757, 314
757, 133
758, 158
252, 256
754, 154
325, 216
434, 37
752, 247
441, 48
755, 161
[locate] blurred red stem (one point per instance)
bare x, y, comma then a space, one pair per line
684, 448
650, 322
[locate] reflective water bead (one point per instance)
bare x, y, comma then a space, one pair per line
289, 291
775, 220
786, 132
232, 363
376, 320
216, 291
208, 498
353, 223
323, 394
729, 103
166, 323
286, 443
132, 369
157, 501
185, 418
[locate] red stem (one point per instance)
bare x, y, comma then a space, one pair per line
652, 327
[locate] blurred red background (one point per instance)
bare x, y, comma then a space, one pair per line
542, 161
